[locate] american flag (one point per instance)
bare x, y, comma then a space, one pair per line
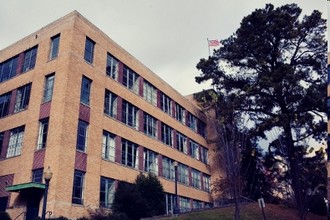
214, 43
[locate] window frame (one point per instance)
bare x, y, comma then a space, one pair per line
15, 144
131, 79
82, 135
150, 161
149, 92
110, 104
107, 193
42, 134
22, 98
194, 149
129, 154
5, 104
54, 46
168, 168
85, 90
150, 127
180, 113
37, 175
78, 189
112, 66
89, 50
130, 115
108, 146
30, 57
166, 103
181, 143
167, 134
48, 87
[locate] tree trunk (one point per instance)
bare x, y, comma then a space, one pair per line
295, 171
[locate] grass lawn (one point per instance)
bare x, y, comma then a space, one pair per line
248, 212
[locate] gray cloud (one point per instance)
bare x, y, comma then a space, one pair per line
169, 37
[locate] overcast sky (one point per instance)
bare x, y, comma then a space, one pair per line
168, 36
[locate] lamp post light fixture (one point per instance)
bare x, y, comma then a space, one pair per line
176, 207
47, 176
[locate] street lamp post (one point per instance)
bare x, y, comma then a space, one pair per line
176, 207
47, 176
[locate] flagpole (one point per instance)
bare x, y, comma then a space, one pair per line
208, 45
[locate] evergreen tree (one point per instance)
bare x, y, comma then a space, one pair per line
273, 68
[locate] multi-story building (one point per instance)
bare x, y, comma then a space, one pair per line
73, 100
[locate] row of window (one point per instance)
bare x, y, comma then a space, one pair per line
108, 189
129, 156
129, 115
26, 61
18, 100
130, 79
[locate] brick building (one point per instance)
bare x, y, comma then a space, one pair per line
73, 100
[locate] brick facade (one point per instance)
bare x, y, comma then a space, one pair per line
65, 110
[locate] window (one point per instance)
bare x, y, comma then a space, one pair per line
206, 182
201, 128
180, 113
2, 134
43, 130
22, 98
78, 187
89, 50
167, 134
48, 89
204, 155
130, 115
183, 176
130, 154
4, 104
85, 90
108, 147
169, 203
15, 142
112, 66
194, 149
181, 142
150, 161
150, 125
192, 122
110, 104
168, 168
29, 59
184, 204
196, 179
8, 69
37, 175
328, 74
131, 79
55, 42
82, 135
149, 93
197, 204
107, 192
166, 103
